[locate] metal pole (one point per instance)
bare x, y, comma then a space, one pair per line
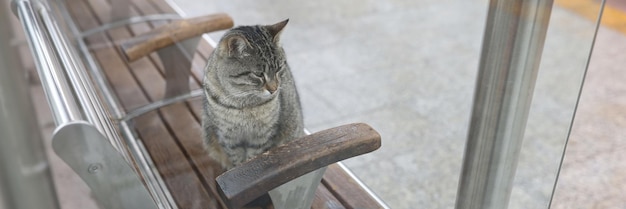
512, 45
58, 92
24, 169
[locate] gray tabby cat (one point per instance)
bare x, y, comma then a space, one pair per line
251, 99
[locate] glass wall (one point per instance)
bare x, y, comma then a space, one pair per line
407, 68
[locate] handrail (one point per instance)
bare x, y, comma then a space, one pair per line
85, 92
70, 96
56, 87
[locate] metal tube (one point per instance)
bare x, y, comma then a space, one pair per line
129, 21
98, 76
25, 178
84, 90
56, 87
512, 45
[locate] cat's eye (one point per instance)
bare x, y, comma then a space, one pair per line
257, 74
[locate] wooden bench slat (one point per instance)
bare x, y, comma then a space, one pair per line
179, 175
196, 107
189, 135
325, 199
346, 189
163, 6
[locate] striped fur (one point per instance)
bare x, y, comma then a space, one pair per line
251, 102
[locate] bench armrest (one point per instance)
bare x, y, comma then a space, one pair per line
293, 159
173, 32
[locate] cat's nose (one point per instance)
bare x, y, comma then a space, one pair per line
271, 86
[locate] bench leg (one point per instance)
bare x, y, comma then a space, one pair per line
298, 193
176, 60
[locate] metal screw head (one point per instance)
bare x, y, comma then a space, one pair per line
94, 168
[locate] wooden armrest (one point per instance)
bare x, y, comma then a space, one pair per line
293, 159
166, 35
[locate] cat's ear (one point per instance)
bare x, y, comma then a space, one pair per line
276, 29
234, 45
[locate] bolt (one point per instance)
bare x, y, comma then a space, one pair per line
94, 168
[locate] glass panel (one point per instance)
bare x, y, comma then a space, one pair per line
407, 68
594, 161
563, 64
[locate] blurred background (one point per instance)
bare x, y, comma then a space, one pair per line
408, 68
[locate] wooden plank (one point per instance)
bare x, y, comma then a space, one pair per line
180, 177
346, 189
163, 7
324, 199
197, 107
189, 134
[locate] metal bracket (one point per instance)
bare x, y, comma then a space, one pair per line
297, 193
112, 180
176, 61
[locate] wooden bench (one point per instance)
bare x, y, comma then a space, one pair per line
157, 127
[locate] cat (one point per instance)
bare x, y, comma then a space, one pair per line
251, 102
